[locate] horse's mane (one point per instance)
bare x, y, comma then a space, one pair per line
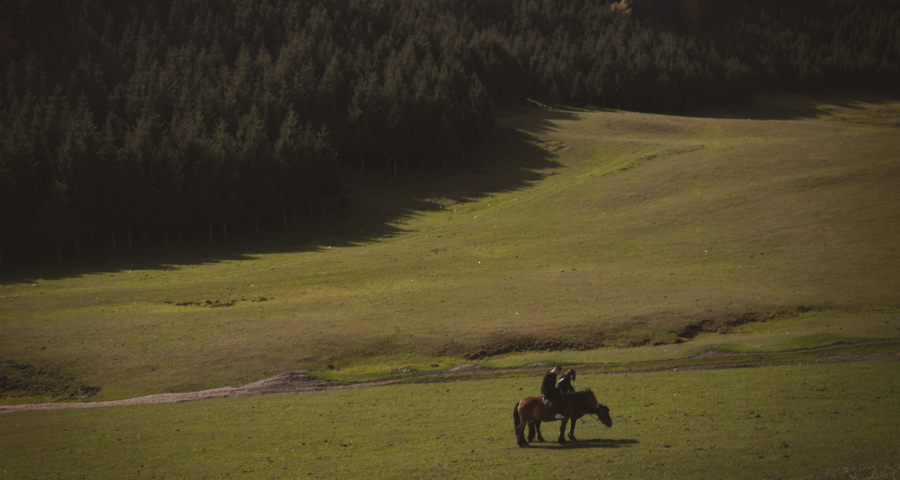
581, 395
586, 391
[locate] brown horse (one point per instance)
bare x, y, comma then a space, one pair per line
576, 405
534, 428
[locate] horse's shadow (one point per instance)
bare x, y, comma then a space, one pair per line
592, 443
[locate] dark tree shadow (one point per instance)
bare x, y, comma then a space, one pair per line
366, 211
793, 106
509, 160
772, 105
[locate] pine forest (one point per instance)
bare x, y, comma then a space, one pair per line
164, 114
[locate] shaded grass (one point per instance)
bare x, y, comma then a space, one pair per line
37, 383
782, 422
590, 229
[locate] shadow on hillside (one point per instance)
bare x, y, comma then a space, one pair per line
367, 210
780, 106
793, 106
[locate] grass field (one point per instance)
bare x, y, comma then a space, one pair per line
590, 229
783, 422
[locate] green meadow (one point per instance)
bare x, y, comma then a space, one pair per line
609, 240
586, 230
779, 422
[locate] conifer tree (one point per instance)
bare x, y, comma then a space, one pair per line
12, 225
363, 115
79, 166
291, 152
109, 182
55, 222
258, 170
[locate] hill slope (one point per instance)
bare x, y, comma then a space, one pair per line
586, 229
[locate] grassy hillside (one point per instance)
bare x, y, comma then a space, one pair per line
587, 229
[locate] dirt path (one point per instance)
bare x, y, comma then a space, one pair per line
299, 382
288, 382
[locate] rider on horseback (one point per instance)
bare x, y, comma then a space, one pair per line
552, 397
565, 383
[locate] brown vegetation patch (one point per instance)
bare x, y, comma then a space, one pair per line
213, 304
725, 323
20, 379
636, 331
524, 343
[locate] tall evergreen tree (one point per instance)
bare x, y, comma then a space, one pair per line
80, 167
258, 169
12, 223
56, 221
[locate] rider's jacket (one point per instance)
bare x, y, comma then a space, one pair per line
548, 386
565, 385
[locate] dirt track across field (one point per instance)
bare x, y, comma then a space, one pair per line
299, 382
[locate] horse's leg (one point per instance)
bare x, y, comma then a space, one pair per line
520, 437
562, 430
517, 423
572, 431
523, 418
534, 428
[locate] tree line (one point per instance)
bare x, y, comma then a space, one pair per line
197, 113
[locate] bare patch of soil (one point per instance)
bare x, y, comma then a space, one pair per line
288, 382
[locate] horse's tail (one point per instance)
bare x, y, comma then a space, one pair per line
516, 419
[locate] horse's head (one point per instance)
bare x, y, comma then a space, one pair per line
602, 412
597, 408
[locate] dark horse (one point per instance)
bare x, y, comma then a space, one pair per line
576, 405
534, 428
